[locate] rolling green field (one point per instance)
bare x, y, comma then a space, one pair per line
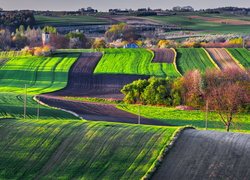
242, 55
31, 149
11, 106
192, 58
68, 20
40, 74
200, 25
195, 118
133, 61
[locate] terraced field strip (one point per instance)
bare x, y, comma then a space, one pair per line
79, 150
40, 74
82, 81
192, 58
207, 155
131, 61
242, 55
222, 58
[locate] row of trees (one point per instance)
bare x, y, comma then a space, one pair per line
226, 92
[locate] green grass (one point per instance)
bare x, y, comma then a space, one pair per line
192, 58
78, 150
242, 55
195, 118
11, 106
40, 74
133, 61
68, 20
201, 25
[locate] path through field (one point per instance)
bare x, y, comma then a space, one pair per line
207, 155
221, 57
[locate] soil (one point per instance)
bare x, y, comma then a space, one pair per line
221, 57
207, 155
163, 56
96, 111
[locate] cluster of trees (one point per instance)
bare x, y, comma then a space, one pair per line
17, 18
226, 92
121, 31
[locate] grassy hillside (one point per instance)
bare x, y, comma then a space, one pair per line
40, 74
68, 20
242, 55
192, 58
133, 61
11, 106
194, 118
78, 150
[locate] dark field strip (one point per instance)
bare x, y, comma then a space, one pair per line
163, 56
97, 111
3, 61
207, 155
78, 150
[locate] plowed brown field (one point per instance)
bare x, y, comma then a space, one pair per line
163, 56
221, 57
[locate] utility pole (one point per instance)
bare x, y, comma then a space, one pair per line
139, 114
206, 114
38, 109
25, 102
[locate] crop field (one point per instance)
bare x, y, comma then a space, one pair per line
40, 74
195, 118
242, 55
221, 57
192, 58
78, 150
133, 61
200, 25
68, 20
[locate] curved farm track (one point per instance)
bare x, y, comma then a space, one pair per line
82, 82
163, 56
207, 155
221, 57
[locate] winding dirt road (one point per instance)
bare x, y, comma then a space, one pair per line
207, 155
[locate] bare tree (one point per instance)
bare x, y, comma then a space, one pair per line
227, 91
5, 39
